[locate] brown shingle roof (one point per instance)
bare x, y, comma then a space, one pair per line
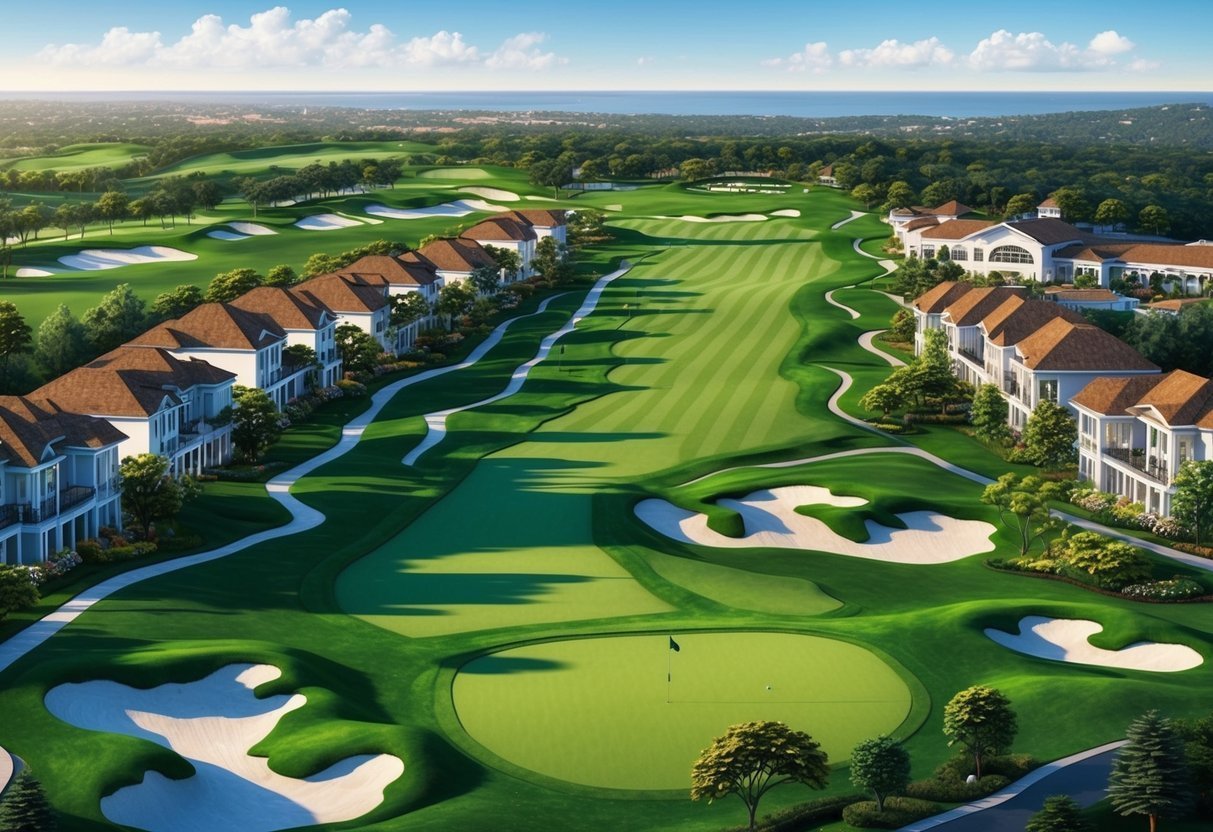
1066, 345
1113, 396
1079, 295
952, 208
396, 271
342, 293
971, 307
289, 311
956, 229
828, 170
541, 217
921, 222
502, 229
214, 325
1016, 318
1175, 304
129, 381
937, 299
1049, 202
1180, 397
29, 427
452, 255
1200, 257
1049, 231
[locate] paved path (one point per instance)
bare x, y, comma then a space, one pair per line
303, 517
854, 216
830, 300
865, 341
7, 767
1083, 776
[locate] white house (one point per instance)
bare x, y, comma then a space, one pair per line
1022, 250
401, 276
161, 403
1103, 299
58, 479
248, 344
453, 260
507, 233
825, 176
900, 218
353, 301
544, 222
305, 323
1049, 209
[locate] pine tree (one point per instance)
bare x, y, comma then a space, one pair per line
1059, 814
25, 807
60, 345
1049, 436
1150, 775
989, 415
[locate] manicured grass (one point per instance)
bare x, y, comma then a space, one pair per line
76, 156
603, 711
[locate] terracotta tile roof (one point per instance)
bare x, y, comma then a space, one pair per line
1050, 202
29, 428
539, 217
952, 209
1016, 318
936, 300
1180, 397
921, 222
971, 307
1113, 396
1049, 231
1175, 304
288, 310
501, 229
904, 212
956, 229
342, 294
396, 271
129, 381
1160, 254
214, 325
1066, 345
828, 170
452, 255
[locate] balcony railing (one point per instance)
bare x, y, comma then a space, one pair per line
1150, 466
74, 495
973, 356
10, 514
1010, 384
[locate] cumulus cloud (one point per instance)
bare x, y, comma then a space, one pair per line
895, 54
1110, 43
815, 57
273, 38
1033, 52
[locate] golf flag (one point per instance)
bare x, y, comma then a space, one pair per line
674, 645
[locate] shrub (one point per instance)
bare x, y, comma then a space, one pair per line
125, 552
1175, 589
950, 790
796, 818
898, 811
352, 389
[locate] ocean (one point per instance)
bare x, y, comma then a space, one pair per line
810, 104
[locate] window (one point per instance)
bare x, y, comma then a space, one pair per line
1011, 254
959, 253
928, 251
979, 254
1046, 390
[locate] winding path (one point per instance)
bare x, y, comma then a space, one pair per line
854, 216
303, 517
436, 421
830, 300
865, 341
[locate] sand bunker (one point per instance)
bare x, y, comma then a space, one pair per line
30, 271
458, 208
252, 229
771, 520
325, 222
213, 723
223, 234
615, 206
96, 259
493, 193
786, 212
1066, 640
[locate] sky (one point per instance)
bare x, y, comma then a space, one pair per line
404, 45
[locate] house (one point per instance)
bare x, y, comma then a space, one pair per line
401, 276
1188, 268
825, 176
1173, 306
353, 300
1021, 250
453, 260
929, 307
1135, 433
58, 479
162, 404
900, 218
1049, 209
1101, 299
305, 324
247, 344
507, 233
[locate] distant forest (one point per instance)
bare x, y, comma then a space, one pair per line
1156, 156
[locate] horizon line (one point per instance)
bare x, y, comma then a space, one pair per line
984, 91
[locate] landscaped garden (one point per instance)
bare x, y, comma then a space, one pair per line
504, 616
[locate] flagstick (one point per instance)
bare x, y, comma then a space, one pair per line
669, 670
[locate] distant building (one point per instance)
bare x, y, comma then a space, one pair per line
1104, 299
825, 176
1048, 210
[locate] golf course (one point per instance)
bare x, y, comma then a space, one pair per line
665, 527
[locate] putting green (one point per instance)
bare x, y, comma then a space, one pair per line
600, 711
455, 173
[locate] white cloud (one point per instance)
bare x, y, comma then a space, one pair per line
893, 53
1110, 43
815, 57
272, 39
1142, 65
522, 52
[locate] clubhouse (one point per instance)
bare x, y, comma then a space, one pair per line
164, 391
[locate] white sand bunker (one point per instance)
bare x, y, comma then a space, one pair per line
252, 229
96, 259
771, 520
213, 723
458, 208
1066, 640
719, 218
786, 212
30, 271
493, 193
325, 222
224, 234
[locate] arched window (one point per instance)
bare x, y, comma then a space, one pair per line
1011, 254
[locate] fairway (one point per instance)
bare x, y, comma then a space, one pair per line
595, 711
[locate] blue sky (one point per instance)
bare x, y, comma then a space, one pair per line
624, 44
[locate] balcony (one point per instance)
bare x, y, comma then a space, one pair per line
74, 495
10, 515
972, 355
1010, 384
1136, 459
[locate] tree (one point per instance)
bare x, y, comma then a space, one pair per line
1150, 775
1111, 563
176, 303
1058, 814
691, 170
16, 338
899, 195
881, 765
112, 207
1192, 504
902, 326
885, 398
17, 591
1072, 203
486, 279
255, 423
359, 351
549, 259
1023, 503
507, 261
25, 807
228, 286
1049, 436
207, 194
408, 308
1153, 218
752, 758
865, 193
1021, 204
930, 375
119, 317
988, 415
551, 173
280, 276
454, 299
60, 345
980, 718
1111, 212
149, 492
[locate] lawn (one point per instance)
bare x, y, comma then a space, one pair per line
513, 547
77, 156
